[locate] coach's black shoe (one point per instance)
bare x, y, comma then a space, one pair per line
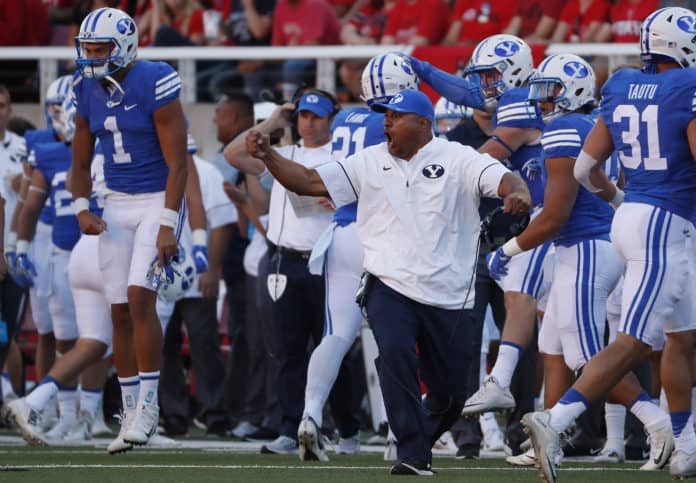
468, 452
412, 468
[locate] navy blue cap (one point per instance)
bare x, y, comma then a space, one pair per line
409, 101
319, 105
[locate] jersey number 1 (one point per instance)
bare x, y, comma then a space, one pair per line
120, 155
638, 139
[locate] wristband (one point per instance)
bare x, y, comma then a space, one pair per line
512, 248
81, 204
169, 218
618, 198
22, 247
200, 237
11, 241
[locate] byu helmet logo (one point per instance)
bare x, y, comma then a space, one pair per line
396, 99
312, 98
687, 24
125, 26
406, 67
576, 70
506, 49
433, 171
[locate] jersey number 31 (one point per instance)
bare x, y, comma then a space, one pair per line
642, 136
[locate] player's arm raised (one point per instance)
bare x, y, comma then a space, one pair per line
171, 133
559, 198
588, 167
81, 177
293, 176
507, 140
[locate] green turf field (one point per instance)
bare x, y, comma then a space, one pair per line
55, 465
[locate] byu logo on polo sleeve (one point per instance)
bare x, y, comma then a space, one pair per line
506, 48
433, 171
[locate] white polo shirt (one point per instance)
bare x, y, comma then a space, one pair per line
291, 228
12, 150
418, 220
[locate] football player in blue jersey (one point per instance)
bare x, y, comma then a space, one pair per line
645, 116
496, 87
338, 253
39, 287
132, 108
588, 267
51, 163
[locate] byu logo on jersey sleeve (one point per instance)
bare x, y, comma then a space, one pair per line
506, 48
687, 23
575, 70
433, 171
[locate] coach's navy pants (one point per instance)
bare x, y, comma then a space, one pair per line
441, 358
298, 317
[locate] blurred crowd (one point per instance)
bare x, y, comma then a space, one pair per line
324, 22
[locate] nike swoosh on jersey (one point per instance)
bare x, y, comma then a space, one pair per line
128, 108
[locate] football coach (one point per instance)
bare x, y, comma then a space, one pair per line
418, 221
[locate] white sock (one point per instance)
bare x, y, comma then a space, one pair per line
506, 362
648, 413
563, 415
43, 393
148, 387
90, 401
615, 417
67, 405
687, 439
321, 374
6, 387
130, 390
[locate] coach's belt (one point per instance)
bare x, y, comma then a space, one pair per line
288, 252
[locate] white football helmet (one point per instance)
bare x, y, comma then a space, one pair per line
183, 277
669, 34
385, 75
107, 25
55, 95
448, 115
565, 79
507, 55
66, 124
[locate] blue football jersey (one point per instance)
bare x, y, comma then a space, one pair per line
515, 111
591, 217
53, 160
647, 115
124, 125
32, 137
353, 130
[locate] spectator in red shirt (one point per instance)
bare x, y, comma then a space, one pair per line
365, 27
583, 21
535, 20
626, 17
416, 22
474, 20
172, 22
303, 22
23, 22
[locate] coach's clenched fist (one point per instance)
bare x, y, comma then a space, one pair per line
258, 145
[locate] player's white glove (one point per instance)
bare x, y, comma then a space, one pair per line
24, 267
497, 263
199, 251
